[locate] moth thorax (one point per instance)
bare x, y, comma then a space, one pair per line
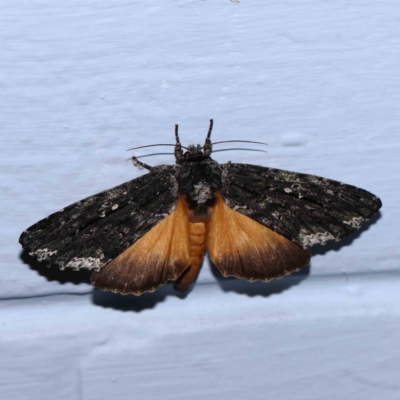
199, 180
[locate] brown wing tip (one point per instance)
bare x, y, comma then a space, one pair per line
105, 282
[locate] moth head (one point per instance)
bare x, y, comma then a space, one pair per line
194, 152
198, 152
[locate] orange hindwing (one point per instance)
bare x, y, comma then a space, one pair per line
243, 248
162, 254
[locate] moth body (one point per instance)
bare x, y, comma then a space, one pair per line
256, 223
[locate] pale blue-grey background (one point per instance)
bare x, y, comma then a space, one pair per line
82, 81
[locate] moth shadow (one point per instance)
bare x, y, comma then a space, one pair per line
55, 274
134, 303
346, 241
260, 288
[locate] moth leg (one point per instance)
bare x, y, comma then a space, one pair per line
140, 164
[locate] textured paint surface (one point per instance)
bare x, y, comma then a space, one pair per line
323, 338
83, 81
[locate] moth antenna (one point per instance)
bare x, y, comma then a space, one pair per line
240, 141
140, 164
153, 145
241, 149
208, 145
178, 146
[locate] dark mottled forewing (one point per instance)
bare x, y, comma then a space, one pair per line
304, 208
92, 232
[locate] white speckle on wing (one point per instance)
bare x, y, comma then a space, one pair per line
288, 190
355, 222
237, 207
320, 237
88, 263
43, 254
114, 207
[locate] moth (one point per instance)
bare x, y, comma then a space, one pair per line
256, 223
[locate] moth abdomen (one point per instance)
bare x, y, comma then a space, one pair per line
197, 248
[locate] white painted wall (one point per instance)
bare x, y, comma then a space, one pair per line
82, 81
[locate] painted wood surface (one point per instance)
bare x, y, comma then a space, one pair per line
81, 82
